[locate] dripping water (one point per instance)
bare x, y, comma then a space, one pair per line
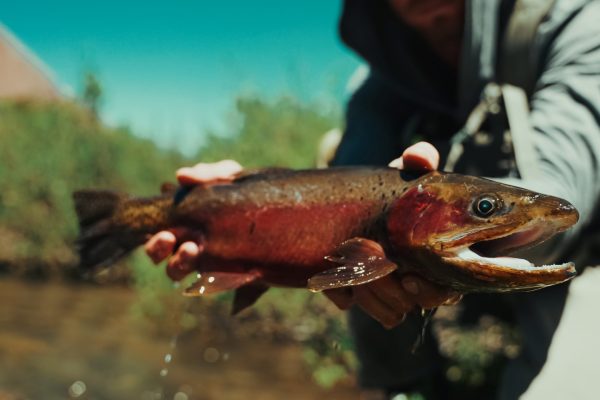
426, 315
169, 355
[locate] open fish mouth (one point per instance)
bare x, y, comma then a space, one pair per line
488, 251
488, 261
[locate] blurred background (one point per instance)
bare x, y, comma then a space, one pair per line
111, 94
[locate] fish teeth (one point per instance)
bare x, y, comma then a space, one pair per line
507, 262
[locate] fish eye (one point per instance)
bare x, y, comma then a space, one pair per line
485, 206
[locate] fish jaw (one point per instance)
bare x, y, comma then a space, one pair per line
452, 246
484, 254
504, 274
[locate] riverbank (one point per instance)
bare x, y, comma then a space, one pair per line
59, 340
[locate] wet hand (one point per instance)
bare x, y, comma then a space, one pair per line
163, 244
389, 299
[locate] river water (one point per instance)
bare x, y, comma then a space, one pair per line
62, 341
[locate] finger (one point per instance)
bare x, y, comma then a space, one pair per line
184, 234
389, 290
182, 262
421, 156
341, 297
427, 294
208, 172
160, 246
375, 307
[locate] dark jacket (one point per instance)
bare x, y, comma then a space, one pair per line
565, 103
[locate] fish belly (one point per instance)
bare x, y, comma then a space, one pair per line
285, 244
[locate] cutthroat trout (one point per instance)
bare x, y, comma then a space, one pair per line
324, 229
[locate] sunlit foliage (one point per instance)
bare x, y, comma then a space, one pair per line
46, 152
279, 133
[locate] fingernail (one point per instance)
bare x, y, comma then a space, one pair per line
188, 250
411, 286
183, 171
397, 163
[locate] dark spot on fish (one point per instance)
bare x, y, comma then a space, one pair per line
180, 194
393, 192
252, 227
404, 189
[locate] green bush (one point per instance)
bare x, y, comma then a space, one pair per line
46, 152
280, 133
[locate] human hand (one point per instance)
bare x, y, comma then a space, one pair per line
161, 245
388, 299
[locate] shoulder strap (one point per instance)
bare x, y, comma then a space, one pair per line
517, 73
518, 65
518, 69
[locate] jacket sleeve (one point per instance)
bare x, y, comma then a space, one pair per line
565, 117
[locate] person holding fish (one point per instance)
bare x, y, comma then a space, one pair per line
438, 67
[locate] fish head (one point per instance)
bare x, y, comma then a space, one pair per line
461, 229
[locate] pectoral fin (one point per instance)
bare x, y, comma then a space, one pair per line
361, 261
215, 282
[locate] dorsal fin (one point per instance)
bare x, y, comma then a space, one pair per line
261, 173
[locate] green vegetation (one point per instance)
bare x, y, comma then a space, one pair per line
49, 150
282, 133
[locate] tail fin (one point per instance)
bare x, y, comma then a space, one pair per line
101, 241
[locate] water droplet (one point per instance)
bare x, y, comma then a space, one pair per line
198, 275
185, 388
180, 396
211, 355
211, 279
168, 357
164, 372
77, 389
454, 373
426, 315
202, 289
151, 395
